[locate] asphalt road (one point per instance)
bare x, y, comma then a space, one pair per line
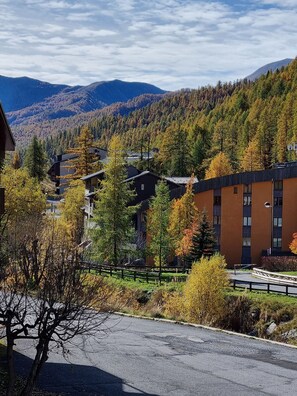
139, 356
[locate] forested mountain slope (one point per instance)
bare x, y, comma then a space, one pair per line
247, 120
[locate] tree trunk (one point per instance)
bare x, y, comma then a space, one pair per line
40, 358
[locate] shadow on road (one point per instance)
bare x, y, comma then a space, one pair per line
76, 380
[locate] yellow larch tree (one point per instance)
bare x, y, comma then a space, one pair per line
219, 166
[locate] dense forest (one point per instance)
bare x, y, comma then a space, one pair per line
251, 123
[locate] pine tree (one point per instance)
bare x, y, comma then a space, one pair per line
174, 151
219, 166
204, 241
284, 130
198, 154
158, 224
113, 215
35, 159
85, 161
251, 160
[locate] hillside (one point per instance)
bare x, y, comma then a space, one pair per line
23, 132
28, 101
246, 120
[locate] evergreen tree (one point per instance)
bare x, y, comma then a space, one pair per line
85, 161
35, 159
113, 215
158, 224
251, 160
174, 151
219, 166
203, 241
284, 130
198, 154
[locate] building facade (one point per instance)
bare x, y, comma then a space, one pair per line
253, 213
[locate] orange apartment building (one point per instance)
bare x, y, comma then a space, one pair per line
252, 212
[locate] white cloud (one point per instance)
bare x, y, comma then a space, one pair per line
88, 33
281, 3
171, 43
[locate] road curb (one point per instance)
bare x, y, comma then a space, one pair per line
199, 326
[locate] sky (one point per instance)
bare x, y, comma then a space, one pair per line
173, 44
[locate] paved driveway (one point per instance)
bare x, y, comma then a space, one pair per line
156, 358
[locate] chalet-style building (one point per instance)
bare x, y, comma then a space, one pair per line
59, 171
253, 213
7, 143
144, 184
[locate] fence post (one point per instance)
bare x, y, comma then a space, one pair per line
287, 290
110, 271
147, 278
251, 286
122, 273
134, 275
268, 287
234, 284
100, 270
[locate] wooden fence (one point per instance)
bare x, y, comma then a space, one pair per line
144, 275
288, 290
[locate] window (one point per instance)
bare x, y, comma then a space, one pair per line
277, 242
278, 185
235, 190
246, 241
247, 200
277, 222
217, 200
247, 221
278, 201
247, 188
216, 220
142, 187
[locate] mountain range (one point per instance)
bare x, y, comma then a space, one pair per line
28, 101
41, 108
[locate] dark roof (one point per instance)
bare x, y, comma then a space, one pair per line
87, 177
286, 171
153, 174
4, 127
136, 176
130, 170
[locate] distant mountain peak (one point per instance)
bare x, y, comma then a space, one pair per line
269, 67
24, 97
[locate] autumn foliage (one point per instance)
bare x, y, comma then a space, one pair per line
293, 244
204, 290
